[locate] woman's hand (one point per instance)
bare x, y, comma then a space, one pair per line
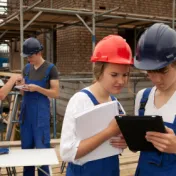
118, 142
164, 142
18, 79
31, 87
113, 128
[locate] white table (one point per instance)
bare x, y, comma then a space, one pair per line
29, 157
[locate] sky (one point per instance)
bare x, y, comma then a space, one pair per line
2, 3
3, 47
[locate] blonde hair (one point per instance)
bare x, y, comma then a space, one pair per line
98, 70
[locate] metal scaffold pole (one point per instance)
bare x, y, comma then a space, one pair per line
173, 14
21, 34
93, 25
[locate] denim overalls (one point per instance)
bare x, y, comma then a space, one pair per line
102, 167
156, 163
35, 119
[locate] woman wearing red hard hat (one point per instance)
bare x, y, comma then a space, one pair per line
112, 57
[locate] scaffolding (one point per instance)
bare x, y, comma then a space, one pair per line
33, 20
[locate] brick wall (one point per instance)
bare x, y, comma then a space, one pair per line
74, 48
73, 44
41, 38
146, 7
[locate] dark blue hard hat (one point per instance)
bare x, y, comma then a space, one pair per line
156, 48
31, 46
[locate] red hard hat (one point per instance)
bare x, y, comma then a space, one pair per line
113, 49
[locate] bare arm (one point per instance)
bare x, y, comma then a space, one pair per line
8, 86
53, 92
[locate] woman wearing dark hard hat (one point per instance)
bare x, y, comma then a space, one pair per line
112, 57
41, 82
156, 53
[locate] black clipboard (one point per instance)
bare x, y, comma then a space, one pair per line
134, 130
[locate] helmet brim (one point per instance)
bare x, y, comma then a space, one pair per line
26, 55
147, 64
114, 61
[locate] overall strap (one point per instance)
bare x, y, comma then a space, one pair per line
26, 71
91, 96
48, 71
95, 102
113, 98
143, 101
119, 107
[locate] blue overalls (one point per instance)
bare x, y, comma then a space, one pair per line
155, 163
35, 120
102, 167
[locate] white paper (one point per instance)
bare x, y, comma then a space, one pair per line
29, 157
92, 122
1, 83
21, 87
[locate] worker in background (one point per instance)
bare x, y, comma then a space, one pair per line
40, 81
9, 85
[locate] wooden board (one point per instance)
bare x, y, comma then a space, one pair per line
53, 143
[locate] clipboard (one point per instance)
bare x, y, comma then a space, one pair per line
134, 130
91, 122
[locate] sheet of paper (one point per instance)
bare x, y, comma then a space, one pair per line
1, 83
29, 157
92, 122
21, 87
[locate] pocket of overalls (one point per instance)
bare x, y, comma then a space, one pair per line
22, 114
155, 158
43, 115
46, 137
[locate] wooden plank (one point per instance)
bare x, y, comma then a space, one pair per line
10, 73
5, 74
53, 142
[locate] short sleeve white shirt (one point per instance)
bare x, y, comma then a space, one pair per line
167, 111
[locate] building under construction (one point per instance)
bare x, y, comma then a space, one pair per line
69, 30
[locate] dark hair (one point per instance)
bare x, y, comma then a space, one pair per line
163, 70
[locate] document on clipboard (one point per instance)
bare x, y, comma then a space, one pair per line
93, 121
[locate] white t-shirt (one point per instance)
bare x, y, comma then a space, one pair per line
167, 111
79, 102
